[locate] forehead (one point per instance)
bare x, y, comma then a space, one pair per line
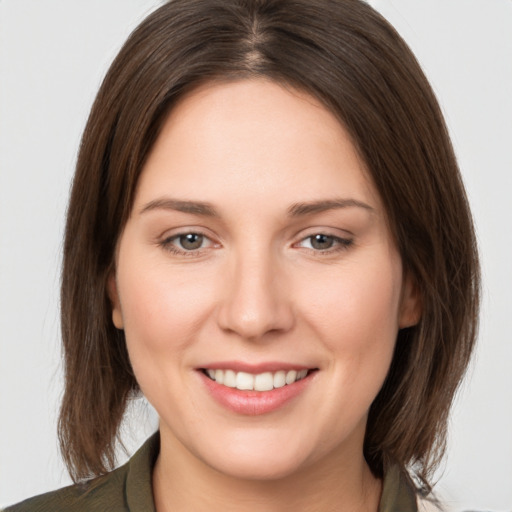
285, 143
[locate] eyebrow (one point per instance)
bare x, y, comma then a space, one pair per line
295, 210
309, 208
194, 207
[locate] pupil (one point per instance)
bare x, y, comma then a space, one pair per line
322, 241
191, 241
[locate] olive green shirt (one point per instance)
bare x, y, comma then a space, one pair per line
128, 489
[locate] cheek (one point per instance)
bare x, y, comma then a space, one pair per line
356, 308
162, 309
162, 312
355, 317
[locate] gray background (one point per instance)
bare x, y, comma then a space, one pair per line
53, 54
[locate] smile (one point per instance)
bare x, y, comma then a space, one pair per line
252, 390
265, 381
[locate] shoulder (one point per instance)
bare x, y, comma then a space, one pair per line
126, 488
103, 493
426, 505
398, 492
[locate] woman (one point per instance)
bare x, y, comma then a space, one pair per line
266, 220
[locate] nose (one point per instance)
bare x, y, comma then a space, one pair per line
257, 300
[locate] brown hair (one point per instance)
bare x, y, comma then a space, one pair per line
346, 55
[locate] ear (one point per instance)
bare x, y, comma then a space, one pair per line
410, 304
113, 295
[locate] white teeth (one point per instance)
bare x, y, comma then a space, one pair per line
264, 382
279, 379
291, 377
244, 380
230, 379
261, 382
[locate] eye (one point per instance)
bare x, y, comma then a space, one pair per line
322, 242
190, 241
188, 244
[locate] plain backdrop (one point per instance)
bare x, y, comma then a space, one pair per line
53, 55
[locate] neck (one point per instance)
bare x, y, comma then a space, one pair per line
181, 483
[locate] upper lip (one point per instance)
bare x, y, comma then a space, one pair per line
240, 366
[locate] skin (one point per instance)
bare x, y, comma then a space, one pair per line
258, 290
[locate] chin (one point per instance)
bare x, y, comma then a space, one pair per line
268, 470
266, 463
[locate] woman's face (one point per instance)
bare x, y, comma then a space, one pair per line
257, 283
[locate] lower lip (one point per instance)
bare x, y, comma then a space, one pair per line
253, 403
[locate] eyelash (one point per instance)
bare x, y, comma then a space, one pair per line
340, 244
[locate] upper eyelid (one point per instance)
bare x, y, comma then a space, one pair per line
181, 231
325, 230
173, 237
339, 233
